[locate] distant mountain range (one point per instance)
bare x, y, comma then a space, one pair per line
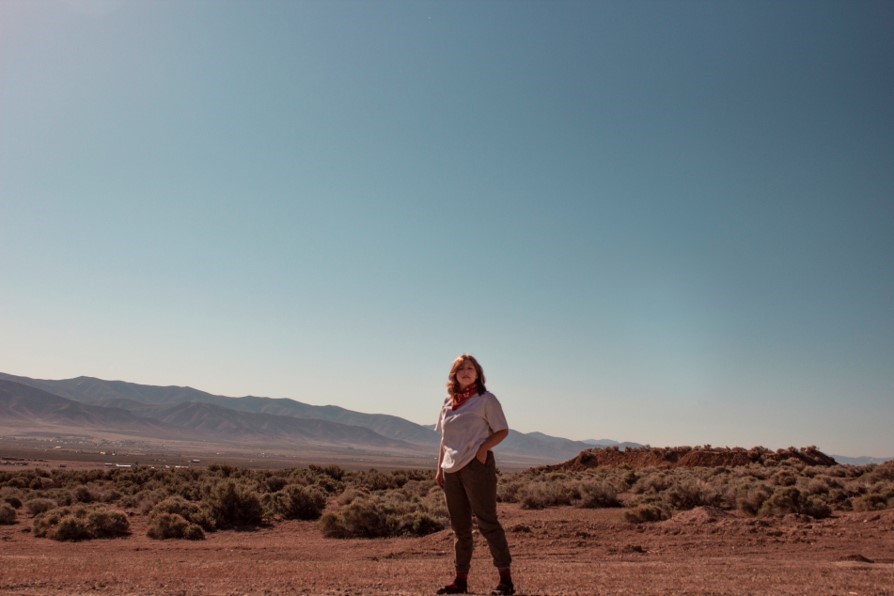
96, 408
860, 461
92, 408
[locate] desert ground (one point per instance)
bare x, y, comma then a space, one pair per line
556, 551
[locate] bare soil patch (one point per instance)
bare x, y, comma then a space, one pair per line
557, 551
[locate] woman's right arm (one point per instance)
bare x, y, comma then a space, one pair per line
439, 475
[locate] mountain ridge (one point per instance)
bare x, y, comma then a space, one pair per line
152, 412
159, 412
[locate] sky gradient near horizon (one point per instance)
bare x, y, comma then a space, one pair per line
662, 222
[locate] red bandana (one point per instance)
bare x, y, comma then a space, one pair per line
464, 395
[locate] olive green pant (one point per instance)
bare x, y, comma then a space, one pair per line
473, 491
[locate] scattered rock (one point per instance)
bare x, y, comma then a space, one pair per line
634, 548
858, 558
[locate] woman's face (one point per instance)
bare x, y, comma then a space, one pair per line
466, 374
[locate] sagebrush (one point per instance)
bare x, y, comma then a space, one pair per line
186, 503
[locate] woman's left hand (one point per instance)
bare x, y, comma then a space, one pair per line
481, 456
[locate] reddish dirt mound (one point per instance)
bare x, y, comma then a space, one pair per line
692, 457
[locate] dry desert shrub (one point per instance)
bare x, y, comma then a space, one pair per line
109, 496
296, 502
818, 486
647, 512
171, 525
752, 497
596, 494
135, 483
333, 471
223, 470
651, 481
790, 499
67, 528
753, 488
329, 479
881, 472
417, 488
325, 479
880, 496
538, 495
175, 517
13, 501
46, 524
785, 477
374, 480
11, 495
435, 505
106, 523
369, 517
31, 479
13, 480
145, 500
350, 495
82, 494
81, 523
192, 512
509, 488
590, 489
407, 501
7, 514
234, 505
379, 516
38, 505
275, 483
689, 493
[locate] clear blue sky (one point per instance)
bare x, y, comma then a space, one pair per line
664, 222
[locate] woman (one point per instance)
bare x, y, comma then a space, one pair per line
471, 424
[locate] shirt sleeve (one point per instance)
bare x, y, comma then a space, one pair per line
493, 413
439, 425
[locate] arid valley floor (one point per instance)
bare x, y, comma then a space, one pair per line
559, 550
